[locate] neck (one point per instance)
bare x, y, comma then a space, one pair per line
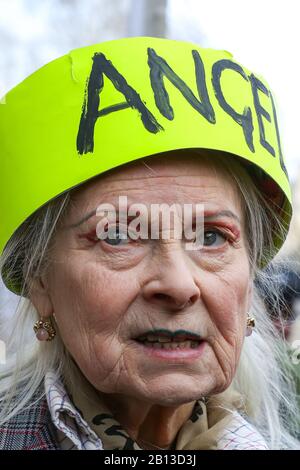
152, 426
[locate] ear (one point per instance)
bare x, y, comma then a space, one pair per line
40, 298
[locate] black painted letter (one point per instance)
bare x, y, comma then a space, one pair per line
245, 119
90, 108
260, 111
159, 69
278, 136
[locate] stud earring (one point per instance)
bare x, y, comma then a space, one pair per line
250, 325
44, 330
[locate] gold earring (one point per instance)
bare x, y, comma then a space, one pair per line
250, 325
44, 330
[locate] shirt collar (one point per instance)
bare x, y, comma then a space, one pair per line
66, 417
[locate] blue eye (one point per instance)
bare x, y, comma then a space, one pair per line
115, 237
211, 236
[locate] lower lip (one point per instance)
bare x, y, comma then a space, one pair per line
186, 354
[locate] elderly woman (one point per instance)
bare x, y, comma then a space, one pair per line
143, 327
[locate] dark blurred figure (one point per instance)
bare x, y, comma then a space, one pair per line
283, 303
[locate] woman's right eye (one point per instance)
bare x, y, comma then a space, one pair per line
113, 235
116, 237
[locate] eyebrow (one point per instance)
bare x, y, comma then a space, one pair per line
223, 213
209, 215
86, 217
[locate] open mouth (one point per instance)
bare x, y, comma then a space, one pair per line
165, 339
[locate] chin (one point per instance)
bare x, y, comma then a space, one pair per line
170, 400
175, 392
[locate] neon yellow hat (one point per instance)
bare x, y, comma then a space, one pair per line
101, 106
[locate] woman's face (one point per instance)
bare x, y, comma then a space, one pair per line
105, 294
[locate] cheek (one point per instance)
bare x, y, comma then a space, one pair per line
90, 305
228, 308
90, 301
226, 300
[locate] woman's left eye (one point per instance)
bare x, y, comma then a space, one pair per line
214, 237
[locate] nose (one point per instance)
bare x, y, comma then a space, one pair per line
173, 285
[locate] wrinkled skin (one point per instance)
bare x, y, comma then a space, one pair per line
103, 296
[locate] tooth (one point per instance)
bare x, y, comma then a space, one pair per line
180, 345
151, 338
171, 344
155, 339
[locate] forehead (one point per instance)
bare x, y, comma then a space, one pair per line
173, 177
160, 167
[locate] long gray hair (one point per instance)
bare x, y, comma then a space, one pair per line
262, 378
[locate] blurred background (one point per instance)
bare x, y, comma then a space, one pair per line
263, 35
